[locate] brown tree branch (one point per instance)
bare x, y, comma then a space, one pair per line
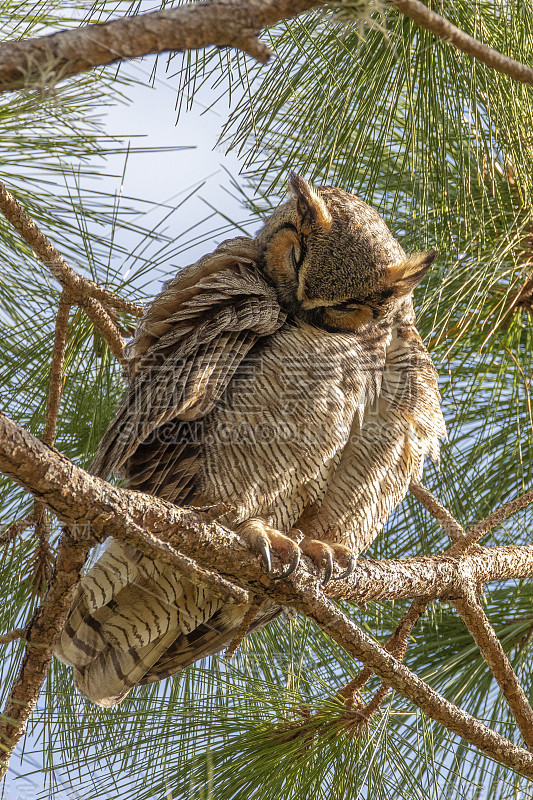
224, 23
497, 517
437, 510
43, 562
329, 617
105, 327
473, 615
431, 21
432, 576
55, 390
463, 540
396, 645
17, 633
243, 629
354, 719
106, 510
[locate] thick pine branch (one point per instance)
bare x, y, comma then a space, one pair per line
224, 23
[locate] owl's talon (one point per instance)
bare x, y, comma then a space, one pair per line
263, 548
328, 567
328, 555
352, 561
264, 540
296, 536
292, 566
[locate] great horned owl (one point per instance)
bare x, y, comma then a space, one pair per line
284, 376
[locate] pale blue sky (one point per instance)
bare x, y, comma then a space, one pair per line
167, 177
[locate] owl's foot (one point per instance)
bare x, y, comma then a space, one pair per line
328, 555
264, 540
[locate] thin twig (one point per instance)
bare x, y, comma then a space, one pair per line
200, 576
431, 21
463, 540
17, 633
490, 647
43, 561
10, 532
495, 518
344, 631
41, 635
437, 510
396, 644
355, 718
76, 289
55, 390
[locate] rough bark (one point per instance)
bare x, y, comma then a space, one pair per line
225, 23
492, 651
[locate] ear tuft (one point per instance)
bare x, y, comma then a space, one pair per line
312, 209
403, 277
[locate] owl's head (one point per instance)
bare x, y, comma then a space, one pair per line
333, 260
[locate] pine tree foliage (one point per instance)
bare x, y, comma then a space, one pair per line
443, 147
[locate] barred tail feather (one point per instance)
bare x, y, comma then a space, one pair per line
128, 611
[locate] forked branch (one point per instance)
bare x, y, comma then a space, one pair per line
95, 300
464, 540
